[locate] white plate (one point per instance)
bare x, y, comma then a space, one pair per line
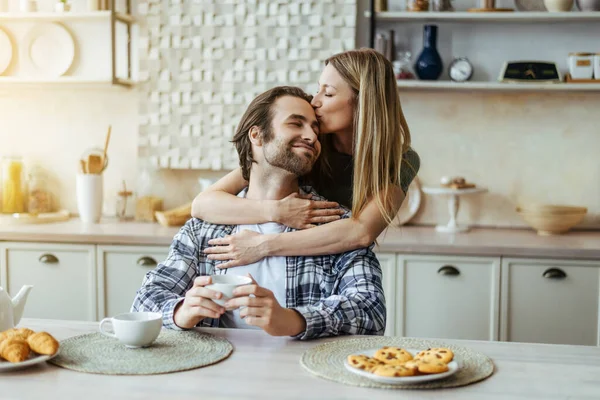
48, 50
453, 368
33, 360
6, 51
410, 205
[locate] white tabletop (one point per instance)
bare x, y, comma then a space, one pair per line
265, 367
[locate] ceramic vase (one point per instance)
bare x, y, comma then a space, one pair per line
429, 63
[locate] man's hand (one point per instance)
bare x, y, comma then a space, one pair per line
197, 304
264, 311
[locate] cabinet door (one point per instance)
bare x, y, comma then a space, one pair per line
63, 278
121, 270
550, 301
388, 268
448, 297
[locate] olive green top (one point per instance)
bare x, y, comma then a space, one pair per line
338, 186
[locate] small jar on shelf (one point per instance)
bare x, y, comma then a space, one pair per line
40, 198
417, 5
402, 66
13, 185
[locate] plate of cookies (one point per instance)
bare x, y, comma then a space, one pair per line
395, 365
22, 347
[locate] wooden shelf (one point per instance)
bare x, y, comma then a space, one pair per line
498, 86
53, 16
62, 80
462, 16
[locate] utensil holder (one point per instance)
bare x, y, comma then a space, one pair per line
89, 191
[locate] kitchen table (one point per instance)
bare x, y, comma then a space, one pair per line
265, 367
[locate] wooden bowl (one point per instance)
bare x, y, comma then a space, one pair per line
551, 209
551, 224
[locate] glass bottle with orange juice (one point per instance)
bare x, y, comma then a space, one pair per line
13, 185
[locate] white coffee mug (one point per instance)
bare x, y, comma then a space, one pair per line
89, 191
134, 329
225, 284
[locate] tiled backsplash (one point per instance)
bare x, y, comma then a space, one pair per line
205, 63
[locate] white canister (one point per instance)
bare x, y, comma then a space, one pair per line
581, 65
89, 191
597, 66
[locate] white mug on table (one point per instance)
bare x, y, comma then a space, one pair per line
133, 329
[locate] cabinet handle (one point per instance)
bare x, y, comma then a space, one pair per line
554, 273
146, 262
48, 259
448, 270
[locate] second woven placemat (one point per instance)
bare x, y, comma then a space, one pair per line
171, 352
327, 361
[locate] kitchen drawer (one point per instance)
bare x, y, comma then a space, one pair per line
550, 301
387, 261
121, 270
448, 297
62, 275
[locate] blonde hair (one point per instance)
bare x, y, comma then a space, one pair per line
381, 135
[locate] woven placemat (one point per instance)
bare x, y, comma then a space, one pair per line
171, 352
327, 361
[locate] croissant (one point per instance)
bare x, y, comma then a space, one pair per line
43, 343
20, 333
14, 350
24, 332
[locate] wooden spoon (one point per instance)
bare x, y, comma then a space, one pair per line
105, 148
94, 164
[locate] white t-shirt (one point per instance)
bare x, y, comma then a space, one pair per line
270, 273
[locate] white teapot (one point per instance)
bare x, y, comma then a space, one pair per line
11, 310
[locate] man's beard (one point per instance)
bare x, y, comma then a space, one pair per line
281, 155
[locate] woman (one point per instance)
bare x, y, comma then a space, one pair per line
362, 129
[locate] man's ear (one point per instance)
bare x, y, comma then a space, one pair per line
255, 136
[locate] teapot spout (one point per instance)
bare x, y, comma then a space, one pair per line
19, 303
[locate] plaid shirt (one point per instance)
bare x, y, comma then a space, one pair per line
336, 294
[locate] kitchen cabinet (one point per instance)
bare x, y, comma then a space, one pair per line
387, 261
121, 270
447, 297
550, 301
63, 278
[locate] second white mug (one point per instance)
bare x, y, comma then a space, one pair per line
134, 329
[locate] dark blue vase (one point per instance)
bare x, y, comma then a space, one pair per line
429, 64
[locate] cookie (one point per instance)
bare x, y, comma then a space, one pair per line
393, 355
432, 367
363, 362
436, 354
393, 371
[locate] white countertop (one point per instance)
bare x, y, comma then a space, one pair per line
408, 239
266, 367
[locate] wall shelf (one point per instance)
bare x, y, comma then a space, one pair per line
462, 16
498, 86
53, 16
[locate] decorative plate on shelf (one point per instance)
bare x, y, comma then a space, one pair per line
410, 205
6, 51
48, 50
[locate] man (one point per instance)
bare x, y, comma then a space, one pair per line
304, 297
